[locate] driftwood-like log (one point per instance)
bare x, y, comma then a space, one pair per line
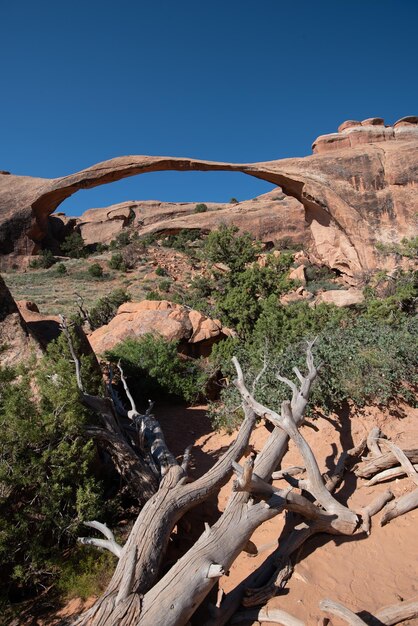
151, 533
400, 506
128, 460
367, 468
345, 518
374, 507
389, 474
338, 609
397, 613
171, 603
271, 616
136, 596
373, 442
402, 459
294, 470
259, 596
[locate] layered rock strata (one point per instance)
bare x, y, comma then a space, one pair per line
358, 188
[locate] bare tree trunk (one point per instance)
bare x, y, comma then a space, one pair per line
135, 595
151, 532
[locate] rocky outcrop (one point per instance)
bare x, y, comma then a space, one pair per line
195, 332
358, 188
271, 217
103, 225
45, 328
16, 343
340, 297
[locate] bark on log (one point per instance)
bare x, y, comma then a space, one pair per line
152, 529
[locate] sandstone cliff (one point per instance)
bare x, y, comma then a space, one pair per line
270, 217
358, 188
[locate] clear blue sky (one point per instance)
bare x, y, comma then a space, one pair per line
232, 80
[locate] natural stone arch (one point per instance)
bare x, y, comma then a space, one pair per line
353, 196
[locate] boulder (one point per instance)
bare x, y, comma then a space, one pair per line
195, 332
16, 342
298, 274
45, 328
298, 295
340, 297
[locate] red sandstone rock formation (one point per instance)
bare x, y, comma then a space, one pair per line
358, 188
16, 342
270, 217
195, 332
45, 328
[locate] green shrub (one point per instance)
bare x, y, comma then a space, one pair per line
86, 573
95, 270
101, 247
407, 248
154, 295
233, 201
201, 208
157, 367
160, 271
121, 240
116, 262
226, 246
47, 485
182, 240
105, 308
61, 269
286, 243
73, 246
45, 260
363, 361
318, 273
241, 302
391, 297
164, 285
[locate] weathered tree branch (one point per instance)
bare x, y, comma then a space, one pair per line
389, 474
338, 609
402, 459
396, 613
400, 506
368, 468
109, 543
272, 616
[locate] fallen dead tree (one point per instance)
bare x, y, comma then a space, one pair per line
138, 595
389, 616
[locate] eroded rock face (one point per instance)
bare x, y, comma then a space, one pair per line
358, 188
16, 343
45, 328
194, 331
270, 217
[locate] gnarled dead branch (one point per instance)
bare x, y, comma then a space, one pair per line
338, 609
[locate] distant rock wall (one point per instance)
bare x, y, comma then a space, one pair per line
270, 217
358, 188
